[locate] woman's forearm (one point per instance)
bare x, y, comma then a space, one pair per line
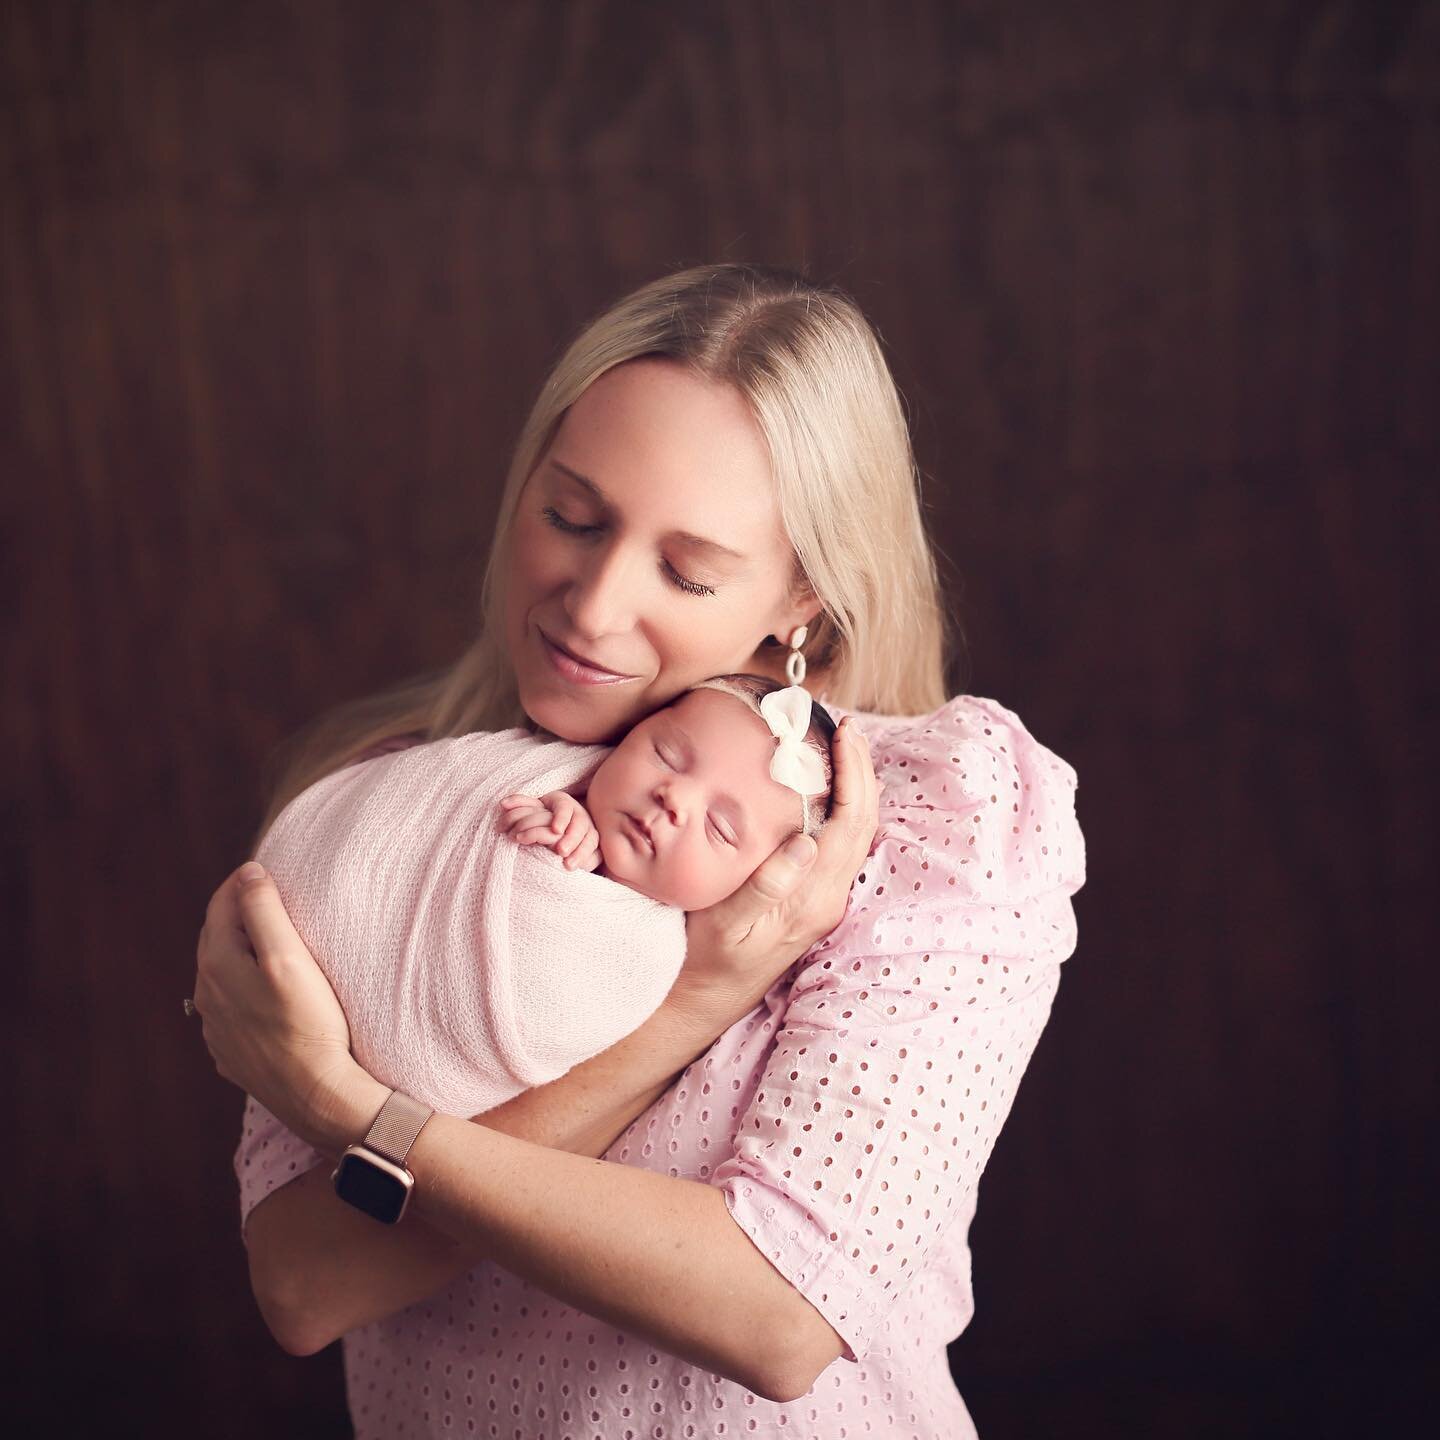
320, 1268
650, 1253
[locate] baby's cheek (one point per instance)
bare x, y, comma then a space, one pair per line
717, 876
612, 852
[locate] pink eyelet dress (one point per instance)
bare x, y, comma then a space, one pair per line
847, 1119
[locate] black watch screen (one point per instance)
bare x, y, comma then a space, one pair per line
372, 1184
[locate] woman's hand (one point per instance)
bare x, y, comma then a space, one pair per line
737, 948
271, 1020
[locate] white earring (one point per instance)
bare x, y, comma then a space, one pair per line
795, 661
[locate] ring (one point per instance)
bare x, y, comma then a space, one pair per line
190, 1009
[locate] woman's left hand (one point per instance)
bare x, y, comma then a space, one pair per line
271, 1019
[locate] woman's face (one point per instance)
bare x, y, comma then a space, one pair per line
646, 552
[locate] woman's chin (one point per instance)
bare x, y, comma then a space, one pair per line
571, 718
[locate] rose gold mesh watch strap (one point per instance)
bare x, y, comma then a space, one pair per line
394, 1130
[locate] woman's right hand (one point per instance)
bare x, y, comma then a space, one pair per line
738, 948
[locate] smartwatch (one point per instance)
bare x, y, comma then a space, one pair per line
372, 1176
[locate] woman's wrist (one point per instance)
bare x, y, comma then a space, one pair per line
344, 1104
704, 1009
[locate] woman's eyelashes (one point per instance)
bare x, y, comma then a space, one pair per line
558, 522
691, 587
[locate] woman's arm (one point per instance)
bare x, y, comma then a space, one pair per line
319, 1268
275, 1028
654, 1255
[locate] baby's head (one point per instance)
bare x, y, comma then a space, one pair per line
685, 805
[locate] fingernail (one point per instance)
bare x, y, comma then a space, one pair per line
800, 849
251, 871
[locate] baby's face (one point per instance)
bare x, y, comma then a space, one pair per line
685, 806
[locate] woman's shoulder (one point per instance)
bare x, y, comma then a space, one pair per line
968, 742
985, 804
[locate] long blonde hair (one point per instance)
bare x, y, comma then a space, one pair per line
812, 370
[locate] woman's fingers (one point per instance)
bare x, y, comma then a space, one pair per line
854, 804
222, 913
846, 838
222, 937
771, 885
263, 915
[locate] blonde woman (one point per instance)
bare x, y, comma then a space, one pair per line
750, 1216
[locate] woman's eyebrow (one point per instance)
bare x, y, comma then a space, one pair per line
692, 541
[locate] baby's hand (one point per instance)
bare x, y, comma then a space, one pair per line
557, 820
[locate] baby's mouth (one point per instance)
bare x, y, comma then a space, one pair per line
639, 832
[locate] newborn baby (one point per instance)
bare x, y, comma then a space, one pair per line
681, 810
482, 941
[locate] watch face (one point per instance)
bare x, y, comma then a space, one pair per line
372, 1185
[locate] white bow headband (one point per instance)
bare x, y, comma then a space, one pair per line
794, 764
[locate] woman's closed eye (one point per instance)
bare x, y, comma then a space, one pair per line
570, 527
557, 521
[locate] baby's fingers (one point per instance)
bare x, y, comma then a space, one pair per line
541, 834
584, 856
576, 828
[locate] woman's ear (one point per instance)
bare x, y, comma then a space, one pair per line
802, 608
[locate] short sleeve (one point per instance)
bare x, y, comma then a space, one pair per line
267, 1157
907, 1031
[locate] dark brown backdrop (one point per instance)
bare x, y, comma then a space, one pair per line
1161, 282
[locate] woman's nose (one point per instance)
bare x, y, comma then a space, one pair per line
599, 599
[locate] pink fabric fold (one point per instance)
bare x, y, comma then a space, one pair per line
470, 968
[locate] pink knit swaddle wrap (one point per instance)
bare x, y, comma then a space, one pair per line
469, 967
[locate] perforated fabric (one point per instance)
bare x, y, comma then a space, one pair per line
847, 1119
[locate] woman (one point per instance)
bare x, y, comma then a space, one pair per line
790, 1145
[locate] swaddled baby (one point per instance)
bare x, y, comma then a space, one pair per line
493, 909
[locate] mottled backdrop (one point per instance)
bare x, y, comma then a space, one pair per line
1161, 284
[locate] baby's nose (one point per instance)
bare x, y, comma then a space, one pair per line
674, 799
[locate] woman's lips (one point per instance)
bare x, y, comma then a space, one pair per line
575, 670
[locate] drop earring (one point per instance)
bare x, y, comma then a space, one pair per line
795, 661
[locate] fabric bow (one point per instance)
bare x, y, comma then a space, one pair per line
794, 763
